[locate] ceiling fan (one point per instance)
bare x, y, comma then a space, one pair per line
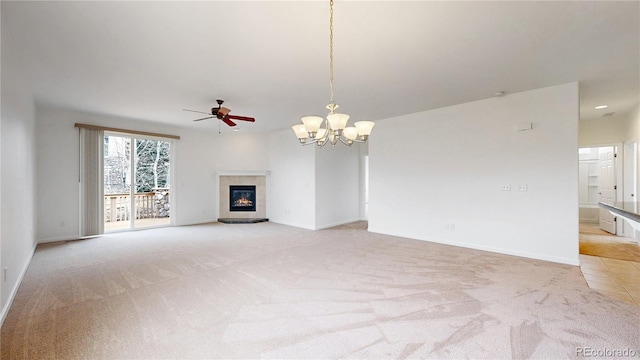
222, 113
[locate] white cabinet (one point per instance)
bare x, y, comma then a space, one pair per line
588, 182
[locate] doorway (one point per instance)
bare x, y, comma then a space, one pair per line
599, 174
601, 170
607, 186
137, 182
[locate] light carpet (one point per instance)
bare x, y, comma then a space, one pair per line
271, 291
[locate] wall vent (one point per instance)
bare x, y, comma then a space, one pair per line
608, 114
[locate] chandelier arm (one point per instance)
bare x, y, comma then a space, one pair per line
319, 143
346, 142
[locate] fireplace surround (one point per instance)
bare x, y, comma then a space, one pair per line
226, 180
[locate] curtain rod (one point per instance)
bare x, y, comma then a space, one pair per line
134, 132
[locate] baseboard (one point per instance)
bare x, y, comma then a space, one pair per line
14, 291
58, 238
301, 226
338, 223
523, 254
196, 222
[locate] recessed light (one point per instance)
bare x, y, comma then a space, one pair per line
601, 107
499, 93
235, 130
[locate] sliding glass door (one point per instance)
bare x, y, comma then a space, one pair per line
152, 180
117, 182
136, 182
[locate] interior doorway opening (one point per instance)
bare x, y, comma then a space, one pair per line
599, 174
607, 174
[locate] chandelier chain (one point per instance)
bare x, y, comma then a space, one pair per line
331, 48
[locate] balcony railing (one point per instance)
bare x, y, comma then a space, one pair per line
117, 207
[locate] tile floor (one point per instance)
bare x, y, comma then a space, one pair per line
619, 279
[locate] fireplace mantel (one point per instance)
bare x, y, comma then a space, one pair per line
243, 173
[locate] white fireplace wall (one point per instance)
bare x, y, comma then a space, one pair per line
261, 198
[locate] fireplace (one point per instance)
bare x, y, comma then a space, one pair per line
242, 198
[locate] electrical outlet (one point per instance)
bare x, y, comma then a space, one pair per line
506, 187
522, 187
450, 226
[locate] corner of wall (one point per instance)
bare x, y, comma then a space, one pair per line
14, 290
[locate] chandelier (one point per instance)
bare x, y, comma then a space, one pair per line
316, 130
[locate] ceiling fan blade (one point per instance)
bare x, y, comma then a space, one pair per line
202, 112
227, 121
205, 118
243, 118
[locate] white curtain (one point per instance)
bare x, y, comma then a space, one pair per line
91, 182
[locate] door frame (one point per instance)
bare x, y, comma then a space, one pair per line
132, 137
619, 179
630, 181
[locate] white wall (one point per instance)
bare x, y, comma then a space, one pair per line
337, 185
633, 135
238, 152
603, 131
634, 123
631, 194
444, 169
291, 181
58, 164
17, 175
364, 153
311, 187
241, 154
194, 181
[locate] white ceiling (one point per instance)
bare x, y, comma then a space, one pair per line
149, 60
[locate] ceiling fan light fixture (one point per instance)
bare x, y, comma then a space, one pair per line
222, 114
